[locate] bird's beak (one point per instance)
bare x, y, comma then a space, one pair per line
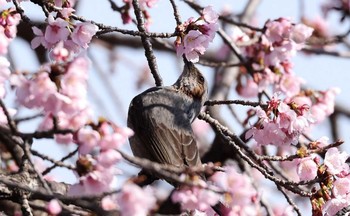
189, 67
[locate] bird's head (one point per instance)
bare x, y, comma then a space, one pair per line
192, 82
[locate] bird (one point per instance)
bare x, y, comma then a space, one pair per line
161, 119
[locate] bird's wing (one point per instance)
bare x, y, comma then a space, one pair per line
174, 145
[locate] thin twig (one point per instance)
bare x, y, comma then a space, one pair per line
292, 186
71, 154
219, 64
169, 172
147, 44
289, 200
11, 123
56, 163
238, 102
176, 12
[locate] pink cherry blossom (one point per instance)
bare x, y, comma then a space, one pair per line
108, 158
144, 3
278, 30
87, 139
59, 52
301, 32
209, 15
336, 161
39, 39
333, 206
125, 131
281, 128
108, 203
307, 169
63, 138
197, 34
289, 84
325, 104
35, 92
283, 211
83, 33
192, 198
9, 21
134, 200
56, 30
195, 44
249, 89
54, 207
95, 182
113, 140
67, 12
239, 187
341, 187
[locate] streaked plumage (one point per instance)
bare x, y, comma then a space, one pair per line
161, 118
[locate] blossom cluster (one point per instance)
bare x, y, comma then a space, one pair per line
9, 20
196, 34
238, 198
321, 103
270, 58
196, 198
98, 155
131, 200
61, 36
144, 4
280, 124
334, 172
60, 92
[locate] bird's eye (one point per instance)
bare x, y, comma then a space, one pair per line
201, 78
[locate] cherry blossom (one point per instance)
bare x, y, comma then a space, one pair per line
56, 30
115, 140
35, 92
133, 200
88, 139
271, 56
53, 207
240, 192
324, 105
333, 206
39, 38
83, 33
144, 3
108, 158
341, 187
9, 19
307, 169
335, 161
195, 44
192, 198
209, 15
196, 35
280, 122
59, 53
300, 33
95, 182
